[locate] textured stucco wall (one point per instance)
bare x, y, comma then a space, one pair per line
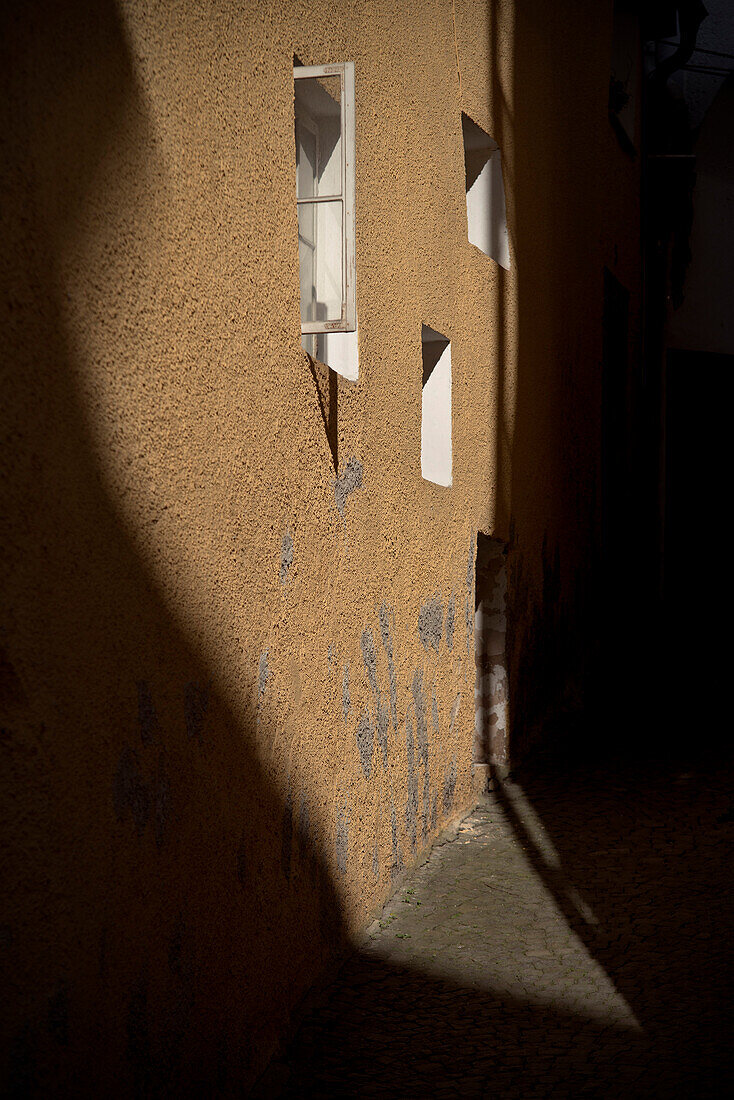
237, 682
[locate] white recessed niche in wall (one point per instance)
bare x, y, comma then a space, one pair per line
485, 193
436, 407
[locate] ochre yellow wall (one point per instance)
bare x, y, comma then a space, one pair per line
190, 831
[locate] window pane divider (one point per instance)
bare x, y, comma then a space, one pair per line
321, 198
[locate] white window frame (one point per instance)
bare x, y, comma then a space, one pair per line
348, 320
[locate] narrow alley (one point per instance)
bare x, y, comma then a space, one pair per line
570, 937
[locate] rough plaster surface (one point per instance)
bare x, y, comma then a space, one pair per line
163, 433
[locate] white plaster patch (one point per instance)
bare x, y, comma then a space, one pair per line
340, 352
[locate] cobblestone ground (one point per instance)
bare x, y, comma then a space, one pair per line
573, 938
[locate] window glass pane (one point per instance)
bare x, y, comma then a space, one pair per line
318, 136
320, 252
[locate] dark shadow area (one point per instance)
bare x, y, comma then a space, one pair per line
560, 198
327, 393
478, 146
615, 505
143, 841
643, 880
698, 595
433, 345
394, 1031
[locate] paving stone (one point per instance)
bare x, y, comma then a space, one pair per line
574, 938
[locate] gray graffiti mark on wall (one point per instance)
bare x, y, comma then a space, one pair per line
182, 969
383, 723
426, 803
411, 806
346, 701
286, 556
242, 861
397, 855
138, 1037
349, 482
365, 741
469, 596
58, 1014
147, 716
450, 622
434, 711
449, 786
286, 839
196, 704
263, 675
454, 711
421, 727
180, 954
376, 860
434, 811
136, 797
369, 656
430, 623
22, 1072
103, 958
162, 803
388, 647
304, 823
131, 794
342, 836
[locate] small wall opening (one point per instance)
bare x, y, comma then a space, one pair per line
485, 193
491, 695
436, 455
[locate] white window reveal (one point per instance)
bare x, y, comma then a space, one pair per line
485, 193
324, 118
436, 409
338, 350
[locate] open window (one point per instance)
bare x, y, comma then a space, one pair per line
324, 121
485, 193
436, 407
